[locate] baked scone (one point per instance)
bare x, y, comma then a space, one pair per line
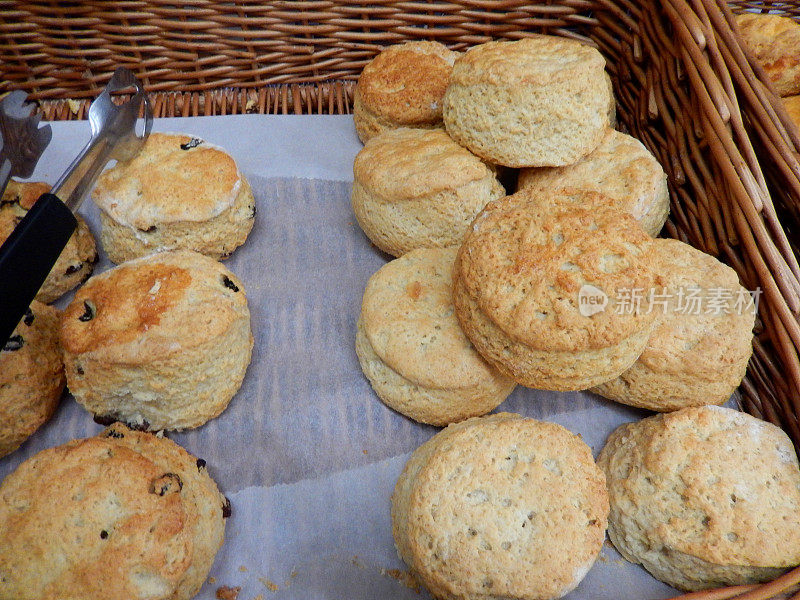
121, 515
543, 286
536, 102
412, 349
620, 168
76, 262
704, 497
612, 102
402, 87
31, 376
416, 188
792, 105
500, 507
699, 350
775, 43
179, 192
161, 342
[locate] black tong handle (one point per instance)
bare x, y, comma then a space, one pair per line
27, 257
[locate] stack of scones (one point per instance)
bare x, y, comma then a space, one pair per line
562, 285
160, 342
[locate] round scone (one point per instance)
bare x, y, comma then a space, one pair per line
179, 192
775, 42
77, 260
500, 507
699, 350
31, 376
545, 287
704, 497
620, 168
416, 188
402, 87
121, 515
412, 349
537, 102
161, 342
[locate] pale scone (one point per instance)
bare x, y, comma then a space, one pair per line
31, 376
179, 192
612, 102
161, 342
412, 349
417, 188
402, 87
704, 497
775, 43
76, 262
121, 515
699, 350
543, 286
620, 168
500, 507
542, 101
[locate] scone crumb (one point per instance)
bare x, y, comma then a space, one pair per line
228, 593
270, 585
242, 569
212, 580
404, 577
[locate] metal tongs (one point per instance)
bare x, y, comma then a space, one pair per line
33, 247
22, 141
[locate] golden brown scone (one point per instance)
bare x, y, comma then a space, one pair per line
412, 349
402, 87
775, 42
76, 262
415, 188
500, 507
179, 192
792, 105
704, 497
121, 515
620, 168
31, 376
542, 101
161, 342
699, 350
522, 279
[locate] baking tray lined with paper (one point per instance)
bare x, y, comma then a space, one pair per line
306, 452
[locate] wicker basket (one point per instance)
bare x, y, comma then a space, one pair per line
684, 86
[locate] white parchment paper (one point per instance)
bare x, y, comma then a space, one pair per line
306, 452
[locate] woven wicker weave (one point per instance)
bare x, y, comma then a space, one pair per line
682, 81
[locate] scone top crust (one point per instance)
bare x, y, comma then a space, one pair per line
620, 167
405, 83
775, 42
538, 60
120, 516
705, 340
528, 256
153, 307
404, 164
792, 105
506, 507
18, 198
24, 193
710, 482
408, 318
174, 178
33, 345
